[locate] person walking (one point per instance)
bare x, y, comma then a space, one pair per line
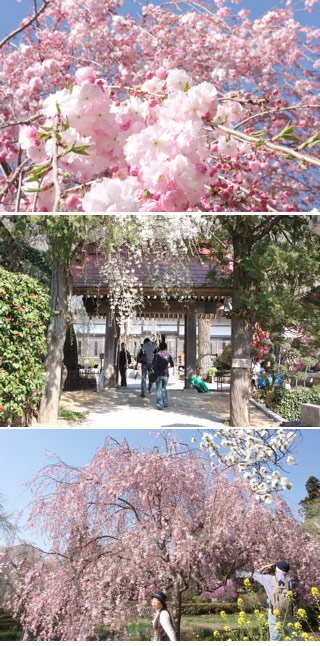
277, 583
145, 356
160, 366
124, 362
162, 622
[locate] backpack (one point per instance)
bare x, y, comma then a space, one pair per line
279, 597
142, 357
160, 363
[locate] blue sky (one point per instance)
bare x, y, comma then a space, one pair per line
22, 453
13, 12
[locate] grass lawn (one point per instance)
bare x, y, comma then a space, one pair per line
193, 628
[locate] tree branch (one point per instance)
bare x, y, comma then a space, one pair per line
25, 24
285, 150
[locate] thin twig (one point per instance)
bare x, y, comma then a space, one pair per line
13, 177
23, 122
25, 24
55, 167
272, 111
18, 198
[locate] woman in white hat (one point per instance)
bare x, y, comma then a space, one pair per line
162, 623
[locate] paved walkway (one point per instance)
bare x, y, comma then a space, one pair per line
123, 408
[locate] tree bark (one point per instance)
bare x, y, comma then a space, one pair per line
241, 333
110, 368
70, 351
61, 318
176, 608
190, 347
204, 346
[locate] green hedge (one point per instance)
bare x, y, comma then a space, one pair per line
24, 315
208, 608
10, 629
287, 403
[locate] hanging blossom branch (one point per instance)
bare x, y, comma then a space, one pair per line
258, 454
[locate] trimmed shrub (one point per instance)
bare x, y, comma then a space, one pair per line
208, 608
287, 403
10, 629
24, 315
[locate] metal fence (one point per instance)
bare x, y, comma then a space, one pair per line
83, 380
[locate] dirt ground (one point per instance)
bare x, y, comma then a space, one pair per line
124, 408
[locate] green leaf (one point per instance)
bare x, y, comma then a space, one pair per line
312, 141
287, 130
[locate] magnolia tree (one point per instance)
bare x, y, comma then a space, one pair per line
181, 107
134, 520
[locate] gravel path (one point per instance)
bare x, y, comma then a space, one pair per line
123, 408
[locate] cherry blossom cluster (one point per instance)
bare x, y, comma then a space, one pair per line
257, 454
253, 98
155, 151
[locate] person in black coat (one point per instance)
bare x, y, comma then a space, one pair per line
124, 361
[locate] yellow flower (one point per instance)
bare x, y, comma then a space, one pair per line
302, 613
240, 602
216, 633
305, 636
249, 622
223, 613
290, 594
227, 628
245, 639
247, 584
297, 625
287, 638
290, 624
279, 625
262, 616
266, 624
257, 612
277, 613
241, 621
242, 613
315, 593
311, 639
294, 634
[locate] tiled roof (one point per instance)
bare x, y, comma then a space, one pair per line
89, 271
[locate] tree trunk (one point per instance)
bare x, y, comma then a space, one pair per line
241, 334
60, 303
176, 609
111, 352
70, 350
190, 347
204, 346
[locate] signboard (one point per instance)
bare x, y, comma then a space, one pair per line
241, 363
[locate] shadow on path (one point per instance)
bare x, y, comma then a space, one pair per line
123, 408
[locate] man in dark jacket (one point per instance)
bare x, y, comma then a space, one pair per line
124, 361
160, 366
144, 357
